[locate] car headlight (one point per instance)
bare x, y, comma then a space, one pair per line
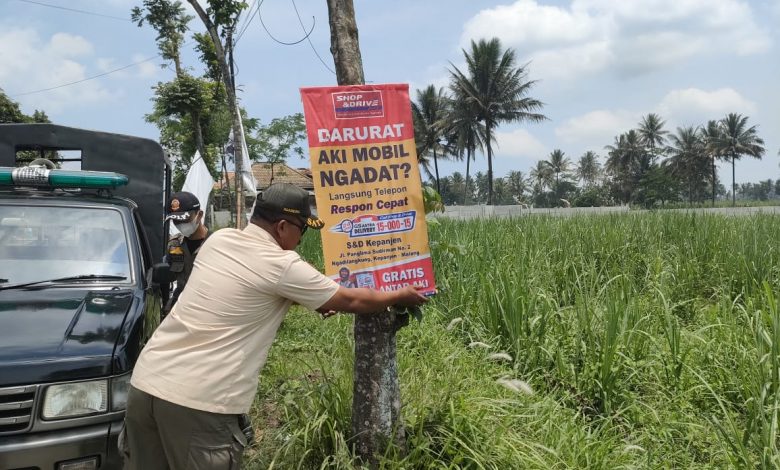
120, 386
75, 399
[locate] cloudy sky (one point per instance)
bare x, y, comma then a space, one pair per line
600, 64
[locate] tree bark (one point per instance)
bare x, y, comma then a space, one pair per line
436, 167
376, 400
490, 164
468, 162
733, 181
713, 181
232, 105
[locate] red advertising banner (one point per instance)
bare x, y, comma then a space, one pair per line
367, 186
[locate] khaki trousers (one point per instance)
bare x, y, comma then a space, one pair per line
160, 435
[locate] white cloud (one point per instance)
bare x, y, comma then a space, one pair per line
693, 106
629, 37
68, 45
519, 144
595, 129
147, 68
29, 63
535, 26
682, 107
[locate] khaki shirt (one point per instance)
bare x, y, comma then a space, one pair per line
207, 354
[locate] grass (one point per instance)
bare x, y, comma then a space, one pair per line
633, 341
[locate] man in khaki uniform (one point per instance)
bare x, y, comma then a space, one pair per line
199, 371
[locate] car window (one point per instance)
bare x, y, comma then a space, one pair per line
45, 242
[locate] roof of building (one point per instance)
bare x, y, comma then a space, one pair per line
282, 173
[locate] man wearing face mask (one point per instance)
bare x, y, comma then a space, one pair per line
185, 213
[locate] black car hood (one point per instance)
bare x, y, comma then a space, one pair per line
59, 333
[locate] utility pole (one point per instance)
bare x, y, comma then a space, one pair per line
237, 148
376, 400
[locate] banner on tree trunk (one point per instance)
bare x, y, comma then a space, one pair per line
367, 186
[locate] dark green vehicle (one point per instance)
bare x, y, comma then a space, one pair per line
81, 265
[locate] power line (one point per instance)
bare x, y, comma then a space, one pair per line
75, 10
282, 42
95, 76
249, 21
309, 40
86, 79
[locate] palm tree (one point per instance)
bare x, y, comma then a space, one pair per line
558, 163
497, 90
652, 134
458, 185
541, 176
709, 135
464, 132
588, 168
624, 158
737, 139
427, 114
688, 160
517, 184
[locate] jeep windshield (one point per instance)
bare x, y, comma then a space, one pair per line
51, 243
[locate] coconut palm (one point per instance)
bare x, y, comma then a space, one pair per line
624, 162
517, 184
497, 90
688, 160
558, 163
464, 133
427, 114
541, 176
588, 168
709, 135
652, 135
737, 139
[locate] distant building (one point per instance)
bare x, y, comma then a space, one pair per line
265, 174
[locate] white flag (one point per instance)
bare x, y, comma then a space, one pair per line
198, 182
248, 178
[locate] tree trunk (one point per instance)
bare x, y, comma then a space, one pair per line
468, 162
232, 105
436, 168
733, 182
713, 181
490, 164
227, 187
195, 116
197, 130
376, 400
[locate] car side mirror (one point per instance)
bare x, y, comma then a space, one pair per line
161, 273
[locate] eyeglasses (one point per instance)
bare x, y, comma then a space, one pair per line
301, 227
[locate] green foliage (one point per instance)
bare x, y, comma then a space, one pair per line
11, 113
207, 54
495, 90
170, 21
183, 95
633, 341
225, 12
280, 139
431, 200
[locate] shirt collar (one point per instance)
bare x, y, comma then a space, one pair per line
259, 232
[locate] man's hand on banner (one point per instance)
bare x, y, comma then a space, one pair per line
325, 314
